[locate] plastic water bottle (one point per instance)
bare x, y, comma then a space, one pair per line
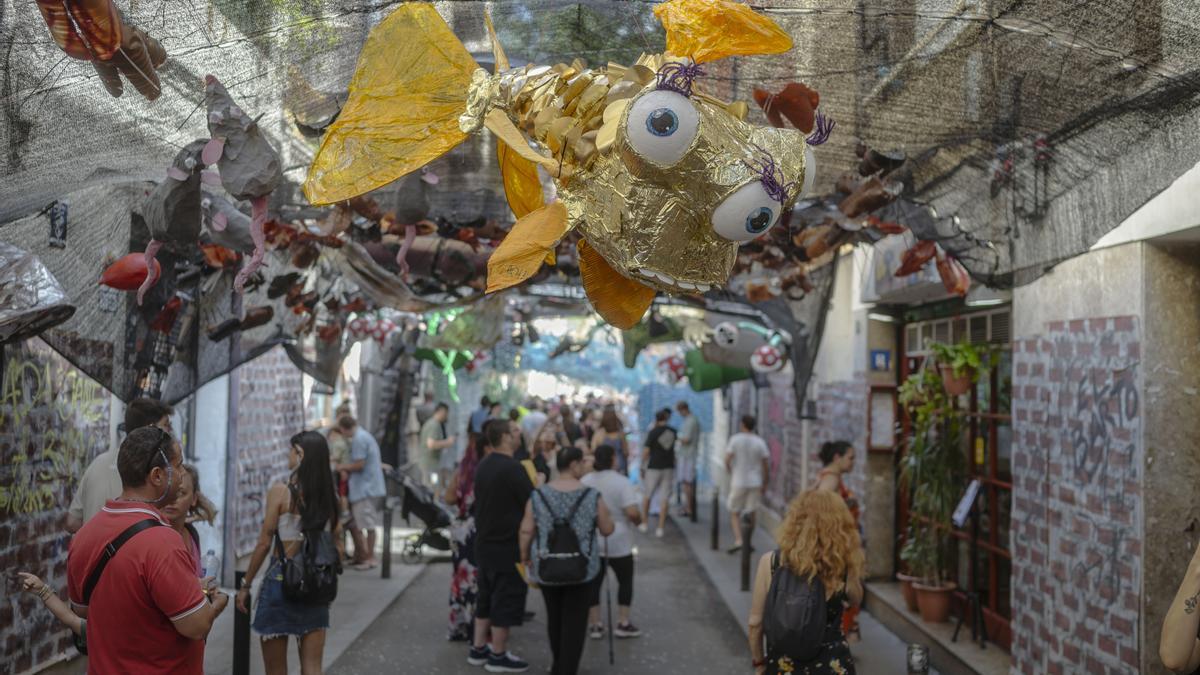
212, 565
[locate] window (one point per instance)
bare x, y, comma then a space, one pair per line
989, 456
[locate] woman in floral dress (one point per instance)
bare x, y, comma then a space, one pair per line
460, 492
818, 538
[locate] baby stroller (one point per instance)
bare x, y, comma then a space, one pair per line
417, 500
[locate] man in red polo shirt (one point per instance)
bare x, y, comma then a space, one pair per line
148, 612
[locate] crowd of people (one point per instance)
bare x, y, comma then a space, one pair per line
543, 499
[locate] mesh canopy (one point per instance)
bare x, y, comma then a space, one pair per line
964, 89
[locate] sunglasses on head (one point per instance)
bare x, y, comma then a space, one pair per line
159, 449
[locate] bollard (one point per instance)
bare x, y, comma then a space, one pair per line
747, 537
386, 567
918, 659
692, 504
241, 634
716, 519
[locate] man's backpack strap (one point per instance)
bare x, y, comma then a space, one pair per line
110, 550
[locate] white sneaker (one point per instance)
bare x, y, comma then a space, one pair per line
658, 533
642, 528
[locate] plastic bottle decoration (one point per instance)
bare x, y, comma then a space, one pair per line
662, 181
673, 369
954, 276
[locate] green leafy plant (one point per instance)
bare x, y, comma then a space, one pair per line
964, 358
932, 471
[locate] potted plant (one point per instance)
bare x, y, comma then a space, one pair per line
960, 365
932, 471
914, 553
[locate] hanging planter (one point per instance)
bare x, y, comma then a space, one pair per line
960, 365
955, 385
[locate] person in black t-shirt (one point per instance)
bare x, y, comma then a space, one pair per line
502, 487
658, 466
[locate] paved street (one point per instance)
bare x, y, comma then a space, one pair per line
688, 628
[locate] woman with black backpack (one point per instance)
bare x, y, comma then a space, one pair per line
561, 553
801, 589
301, 524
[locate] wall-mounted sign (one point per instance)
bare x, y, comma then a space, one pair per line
881, 360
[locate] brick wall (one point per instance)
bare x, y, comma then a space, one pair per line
53, 421
1076, 532
269, 410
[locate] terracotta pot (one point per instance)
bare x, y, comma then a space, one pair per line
954, 386
933, 601
906, 588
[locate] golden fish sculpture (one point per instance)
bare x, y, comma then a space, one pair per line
662, 182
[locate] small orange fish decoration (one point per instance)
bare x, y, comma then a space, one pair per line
128, 273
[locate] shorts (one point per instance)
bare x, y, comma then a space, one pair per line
685, 468
501, 597
368, 513
659, 477
744, 500
276, 616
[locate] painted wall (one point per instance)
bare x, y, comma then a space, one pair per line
53, 421
270, 409
1076, 530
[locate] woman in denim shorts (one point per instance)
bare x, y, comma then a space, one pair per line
305, 502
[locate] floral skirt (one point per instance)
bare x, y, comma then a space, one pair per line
464, 586
276, 616
835, 659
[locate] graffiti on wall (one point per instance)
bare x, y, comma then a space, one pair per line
53, 421
1077, 461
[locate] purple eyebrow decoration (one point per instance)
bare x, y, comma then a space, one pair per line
678, 77
772, 178
820, 134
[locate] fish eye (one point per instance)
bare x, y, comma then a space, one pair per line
746, 214
661, 126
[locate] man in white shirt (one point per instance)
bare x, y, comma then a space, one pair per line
748, 462
532, 423
100, 481
687, 450
619, 493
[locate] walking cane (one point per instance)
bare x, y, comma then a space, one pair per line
608, 602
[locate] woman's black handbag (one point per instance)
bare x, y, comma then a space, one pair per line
311, 576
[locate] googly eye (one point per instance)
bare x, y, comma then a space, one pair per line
189, 163
661, 126
745, 214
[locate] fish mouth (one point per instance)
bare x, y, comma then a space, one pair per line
655, 278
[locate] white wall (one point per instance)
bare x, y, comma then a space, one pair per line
842, 350
1172, 210
211, 446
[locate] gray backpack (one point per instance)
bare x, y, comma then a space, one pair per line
794, 620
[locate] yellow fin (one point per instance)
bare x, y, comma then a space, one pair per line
707, 30
498, 123
408, 90
522, 187
525, 248
497, 49
618, 300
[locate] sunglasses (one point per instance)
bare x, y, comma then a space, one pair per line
160, 447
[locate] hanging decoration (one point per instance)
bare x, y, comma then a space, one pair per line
621, 143
672, 369
95, 31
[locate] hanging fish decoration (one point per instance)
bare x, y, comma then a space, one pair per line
662, 181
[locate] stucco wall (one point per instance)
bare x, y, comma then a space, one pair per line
1171, 405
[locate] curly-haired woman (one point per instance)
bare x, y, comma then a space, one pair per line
818, 540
